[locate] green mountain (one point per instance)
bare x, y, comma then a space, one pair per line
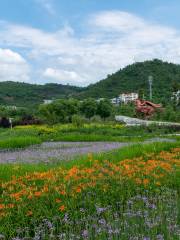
23, 94
134, 78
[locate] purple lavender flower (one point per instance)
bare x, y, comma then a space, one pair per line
100, 209
102, 221
160, 237
85, 234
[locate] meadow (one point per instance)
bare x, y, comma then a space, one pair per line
129, 193
23, 136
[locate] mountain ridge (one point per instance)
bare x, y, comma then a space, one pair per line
132, 78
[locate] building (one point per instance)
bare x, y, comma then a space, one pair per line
128, 97
124, 98
115, 101
176, 96
11, 107
46, 101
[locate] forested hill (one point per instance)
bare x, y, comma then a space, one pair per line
135, 77
23, 94
132, 78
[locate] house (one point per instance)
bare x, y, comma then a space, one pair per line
115, 101
176, 96
124, 98
46, 101
11, 107
128, 97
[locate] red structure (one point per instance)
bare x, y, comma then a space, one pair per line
146, 108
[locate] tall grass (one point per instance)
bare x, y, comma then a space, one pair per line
68, 132
19, 142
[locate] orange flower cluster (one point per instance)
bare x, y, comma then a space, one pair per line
63, 184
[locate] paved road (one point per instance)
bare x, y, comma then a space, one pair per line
49, 152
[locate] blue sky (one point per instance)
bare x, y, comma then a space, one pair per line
79, 42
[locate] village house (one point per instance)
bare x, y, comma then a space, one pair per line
125, 98
176, 96
47, 101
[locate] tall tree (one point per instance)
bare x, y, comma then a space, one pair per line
104, 109
88, 107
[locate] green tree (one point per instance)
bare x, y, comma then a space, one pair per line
175, 86
59, 111
104, 109
88, 107
141, 93
52, 113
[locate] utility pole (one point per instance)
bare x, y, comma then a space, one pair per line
150, 80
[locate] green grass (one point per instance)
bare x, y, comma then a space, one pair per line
19, 142
68, 132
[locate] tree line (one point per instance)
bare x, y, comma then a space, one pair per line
75, 111
63, 111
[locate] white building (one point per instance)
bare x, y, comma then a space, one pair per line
128, 97
46, 101
115, 101
176, 96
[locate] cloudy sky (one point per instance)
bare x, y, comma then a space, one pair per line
79, 42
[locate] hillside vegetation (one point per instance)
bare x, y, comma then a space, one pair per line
132, 78
23, 94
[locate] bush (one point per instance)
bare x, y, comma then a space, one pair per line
4, 122
78, 121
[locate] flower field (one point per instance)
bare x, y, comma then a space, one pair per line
133, 198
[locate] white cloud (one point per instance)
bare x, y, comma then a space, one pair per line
113, 40
47, 5
62, 76
116, 21
13, 66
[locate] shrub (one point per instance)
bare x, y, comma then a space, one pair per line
78, 121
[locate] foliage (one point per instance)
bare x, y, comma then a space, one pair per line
81, 131
19, 142
78, 121
88, 107
134, 78
59, 111
104, 109
4, 122
28, 95
169, 114
125, 110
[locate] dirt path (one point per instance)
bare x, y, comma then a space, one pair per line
56, 151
